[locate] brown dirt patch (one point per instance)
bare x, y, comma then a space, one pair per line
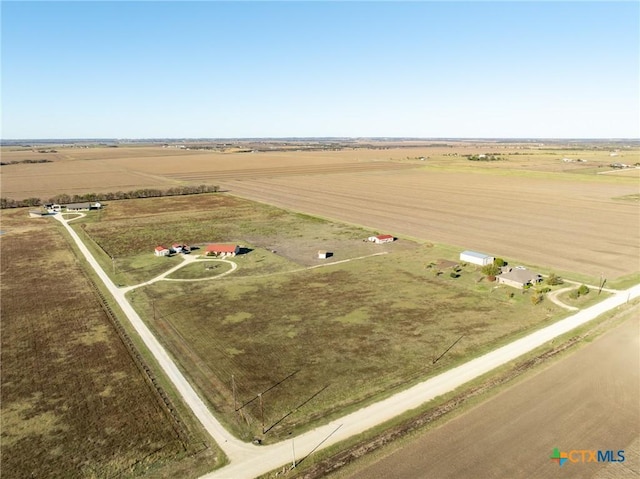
551, 221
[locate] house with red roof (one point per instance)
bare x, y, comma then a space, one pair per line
216, 249
381, 239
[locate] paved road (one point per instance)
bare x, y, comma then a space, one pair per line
248, 461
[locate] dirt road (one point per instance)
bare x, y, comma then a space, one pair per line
588, 400
248, 461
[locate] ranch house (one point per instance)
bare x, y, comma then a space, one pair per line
222, 249
473, 257
518, 277
161, 251
379, 239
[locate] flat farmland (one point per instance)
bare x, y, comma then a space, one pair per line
80, 170
317, 338
75, 403
588, 400
319, 342
46, 180
553, 220
100, 170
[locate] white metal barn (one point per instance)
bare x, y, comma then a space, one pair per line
473, 257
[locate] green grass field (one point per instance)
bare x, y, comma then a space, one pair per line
349, 333
201, 270
123, 236
317, 339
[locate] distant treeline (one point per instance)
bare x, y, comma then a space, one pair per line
64, 199
15, 162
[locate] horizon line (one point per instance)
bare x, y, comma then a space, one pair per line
244, 138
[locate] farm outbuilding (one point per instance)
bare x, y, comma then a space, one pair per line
222, 249
381, 239
162, 251
474, 257
324, 254
180, 248
83, 206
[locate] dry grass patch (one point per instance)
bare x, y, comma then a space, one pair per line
343, 335
74, 404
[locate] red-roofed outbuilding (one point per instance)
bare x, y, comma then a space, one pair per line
381, 239
161, 251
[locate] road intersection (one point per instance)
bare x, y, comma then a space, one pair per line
247, 460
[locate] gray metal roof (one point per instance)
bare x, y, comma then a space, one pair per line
476, 254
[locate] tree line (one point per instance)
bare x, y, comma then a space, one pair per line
110, 196
17, 162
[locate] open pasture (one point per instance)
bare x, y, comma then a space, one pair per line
360, 328
337, 336
74, 402
279, 240
556, 221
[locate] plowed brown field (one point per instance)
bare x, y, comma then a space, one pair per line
529, 206
549, 220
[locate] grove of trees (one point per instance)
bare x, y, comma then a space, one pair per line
109, 196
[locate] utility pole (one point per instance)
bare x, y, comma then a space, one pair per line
153, 305
233, 388
261, 411
293, 448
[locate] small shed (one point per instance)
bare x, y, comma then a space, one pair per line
216, 249
474, 257
378, 239
324, 254
162, 251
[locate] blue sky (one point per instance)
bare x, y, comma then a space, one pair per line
304, 69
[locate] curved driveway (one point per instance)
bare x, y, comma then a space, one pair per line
248, 461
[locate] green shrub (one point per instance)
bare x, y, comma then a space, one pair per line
554, 280
491, 270
583, 289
